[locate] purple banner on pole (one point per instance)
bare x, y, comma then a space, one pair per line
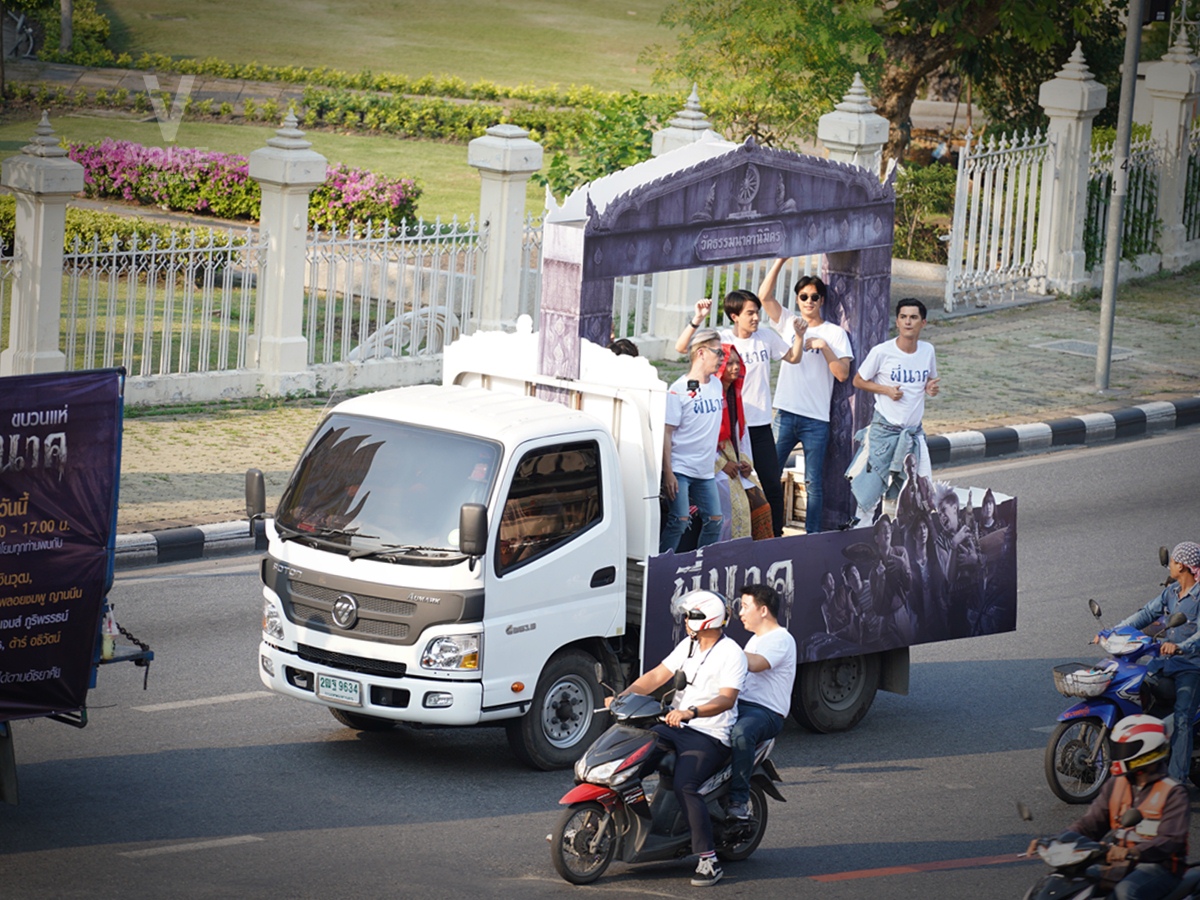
60, 450
944, 569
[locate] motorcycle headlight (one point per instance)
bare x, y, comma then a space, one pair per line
272, 622
454, 652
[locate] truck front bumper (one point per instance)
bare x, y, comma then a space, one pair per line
403, 699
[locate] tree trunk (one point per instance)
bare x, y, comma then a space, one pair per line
66, 33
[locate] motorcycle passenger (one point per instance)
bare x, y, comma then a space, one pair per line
702, 714
1180, 658
766, 698
1156, 848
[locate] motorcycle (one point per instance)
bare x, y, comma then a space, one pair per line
613, 813
1077, 754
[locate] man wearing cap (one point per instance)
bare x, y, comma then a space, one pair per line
1180, 650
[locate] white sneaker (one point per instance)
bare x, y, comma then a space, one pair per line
708, 872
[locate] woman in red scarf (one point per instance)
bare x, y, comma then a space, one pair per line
734, 464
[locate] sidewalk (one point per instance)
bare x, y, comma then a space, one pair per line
1013, 379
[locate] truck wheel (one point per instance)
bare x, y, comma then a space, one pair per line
834, 694
360, 722
562, 721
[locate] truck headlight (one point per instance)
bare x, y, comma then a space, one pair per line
272, 623
457, 652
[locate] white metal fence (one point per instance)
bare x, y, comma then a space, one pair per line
1140, 223
993, 235
161, 306
379, 292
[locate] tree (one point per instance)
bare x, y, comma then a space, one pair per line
772, 68
768, 68
66, 16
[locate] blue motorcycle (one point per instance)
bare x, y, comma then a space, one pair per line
1077, 755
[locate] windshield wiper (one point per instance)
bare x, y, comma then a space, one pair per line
387, 549
320, 536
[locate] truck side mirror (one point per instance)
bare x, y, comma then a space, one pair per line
256, 496
472, 529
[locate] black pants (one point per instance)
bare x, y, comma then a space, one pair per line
697, 757
766, 463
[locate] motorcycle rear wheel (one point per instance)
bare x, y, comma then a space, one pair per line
748, 844
1068, 772
570, 844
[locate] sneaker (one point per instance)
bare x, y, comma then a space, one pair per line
850, 523
738, 811
708, 872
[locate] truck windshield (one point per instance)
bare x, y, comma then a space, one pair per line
370, 484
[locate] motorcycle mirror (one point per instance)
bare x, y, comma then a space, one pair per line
1130, 817
679, 682
1024, 811
1176, 620
1164, 556
1095, 608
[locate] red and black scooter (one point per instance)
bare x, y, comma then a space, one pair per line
612, 813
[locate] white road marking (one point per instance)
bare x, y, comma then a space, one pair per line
195, 845
1045, 729
204, 701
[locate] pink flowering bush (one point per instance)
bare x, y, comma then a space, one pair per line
219, 184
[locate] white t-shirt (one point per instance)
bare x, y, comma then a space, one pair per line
888, 364
697, 422
807, 387
772, 688
708, 671
757, 352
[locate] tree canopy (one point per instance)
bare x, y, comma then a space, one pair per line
770, 68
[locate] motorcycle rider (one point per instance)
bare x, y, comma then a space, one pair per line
1180, 658
698, 726
1155, 850
766, 698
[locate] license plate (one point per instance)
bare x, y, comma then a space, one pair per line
340, 690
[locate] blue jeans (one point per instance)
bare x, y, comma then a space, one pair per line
703, 493
754, 725
814, 435
1147, 881
1187, 696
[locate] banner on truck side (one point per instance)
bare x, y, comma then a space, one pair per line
944, 568
60, 450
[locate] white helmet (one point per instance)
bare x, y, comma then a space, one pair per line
1138, 741
699, 610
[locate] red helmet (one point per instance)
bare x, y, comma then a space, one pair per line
1137, 742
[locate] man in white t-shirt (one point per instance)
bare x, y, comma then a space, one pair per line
693, 426
702, 714
766, 697
758, 348
901, 373
805, 391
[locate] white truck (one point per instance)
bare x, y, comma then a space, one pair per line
467, 554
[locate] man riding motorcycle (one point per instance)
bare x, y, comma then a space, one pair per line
698, 726
1150, 858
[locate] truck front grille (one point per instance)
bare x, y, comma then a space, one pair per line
312, 616
378, 667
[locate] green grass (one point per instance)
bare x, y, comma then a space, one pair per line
509, 42
451, 187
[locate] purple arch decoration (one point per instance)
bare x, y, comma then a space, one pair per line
750, 203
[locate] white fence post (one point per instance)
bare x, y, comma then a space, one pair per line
43, 179
853, 132
505, 158
1174, 83
1071, 99
674, 294
288, 169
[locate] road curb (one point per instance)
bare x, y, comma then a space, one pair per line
230, 538
1091, 428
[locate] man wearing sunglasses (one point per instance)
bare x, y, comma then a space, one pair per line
805, 391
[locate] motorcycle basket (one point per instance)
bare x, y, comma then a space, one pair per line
1081, 680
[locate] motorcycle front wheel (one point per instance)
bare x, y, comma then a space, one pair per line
583, 842
1072, 772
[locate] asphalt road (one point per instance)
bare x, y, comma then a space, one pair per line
206, 786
